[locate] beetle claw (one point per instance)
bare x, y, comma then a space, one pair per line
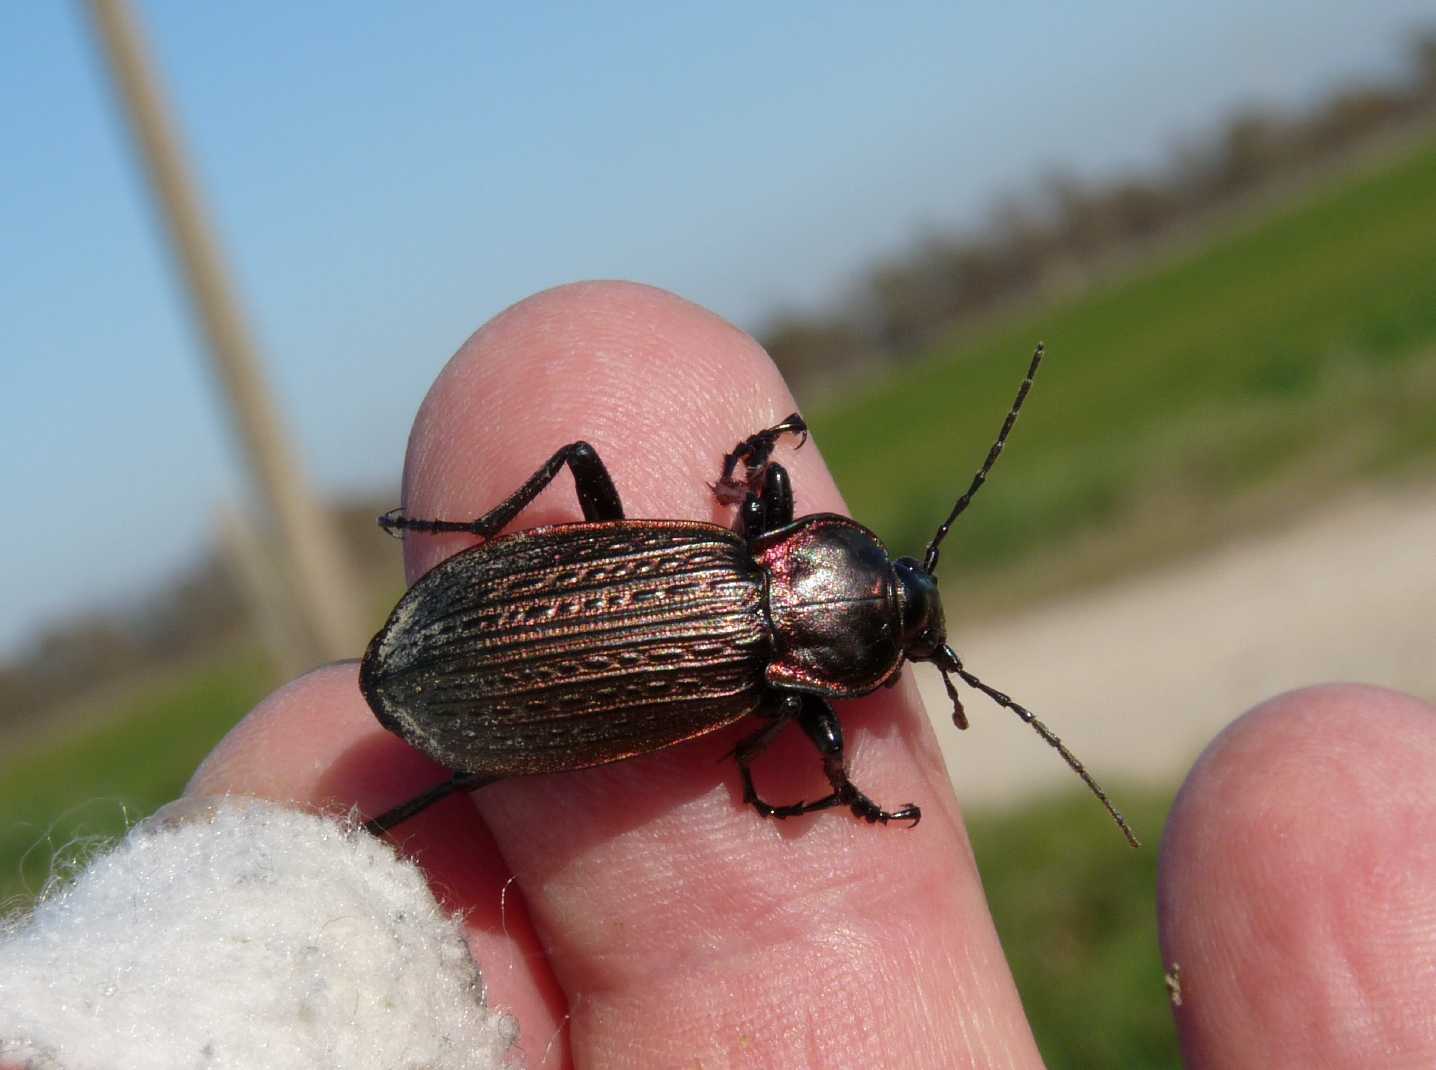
393, 522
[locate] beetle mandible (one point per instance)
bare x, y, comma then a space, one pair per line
573, 645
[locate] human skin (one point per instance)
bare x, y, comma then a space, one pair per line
640, 914
1298, 886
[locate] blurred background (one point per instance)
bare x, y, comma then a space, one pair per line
219, 322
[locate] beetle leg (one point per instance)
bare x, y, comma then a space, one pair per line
597, 496
822, 727
773, 509
405, 810
754, 452
751, 746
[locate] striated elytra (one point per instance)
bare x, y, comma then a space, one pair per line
573, 645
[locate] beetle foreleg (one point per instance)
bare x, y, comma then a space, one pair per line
754, 452
772, 509
597, 497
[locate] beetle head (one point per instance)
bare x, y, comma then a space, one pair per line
924, 629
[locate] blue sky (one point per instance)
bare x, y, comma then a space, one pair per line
386, 177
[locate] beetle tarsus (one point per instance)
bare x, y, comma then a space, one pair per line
870, 812
393, 522
861, 806
848, 794
755, 450
764, 495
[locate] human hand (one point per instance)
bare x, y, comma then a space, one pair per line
640, 914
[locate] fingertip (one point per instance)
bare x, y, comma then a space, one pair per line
276, 750
314, 742
1295, 878
655, 383
1330, 759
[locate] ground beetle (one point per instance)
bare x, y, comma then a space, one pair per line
572, 645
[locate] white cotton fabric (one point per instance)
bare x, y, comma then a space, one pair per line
235, 933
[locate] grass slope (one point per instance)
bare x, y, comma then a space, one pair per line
1075, 907
1277, 363
57, 798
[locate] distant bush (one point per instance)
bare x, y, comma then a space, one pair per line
186, 616
1068, 226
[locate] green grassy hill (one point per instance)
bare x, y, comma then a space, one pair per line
120, 764
1267, 369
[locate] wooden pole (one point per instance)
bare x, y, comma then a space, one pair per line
322, 590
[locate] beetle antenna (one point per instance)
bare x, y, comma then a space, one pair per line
929, 563
949, 661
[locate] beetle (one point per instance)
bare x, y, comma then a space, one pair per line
573, 645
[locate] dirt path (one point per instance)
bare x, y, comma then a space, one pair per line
1139, 676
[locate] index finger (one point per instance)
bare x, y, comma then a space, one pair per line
682, 927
